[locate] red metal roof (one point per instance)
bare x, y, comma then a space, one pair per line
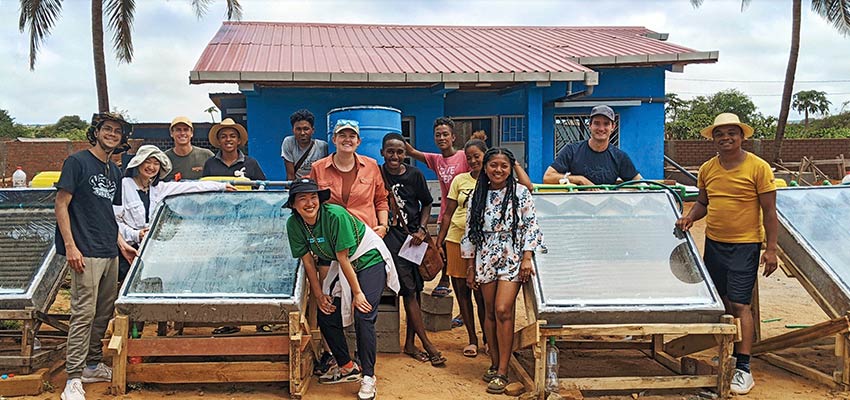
274, 50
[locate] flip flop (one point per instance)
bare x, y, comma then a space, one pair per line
457, 322
226, 330
417, 355
441, 291
470, 351
437, 359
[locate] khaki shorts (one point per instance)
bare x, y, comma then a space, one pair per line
455, 264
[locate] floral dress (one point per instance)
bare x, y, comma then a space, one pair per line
499, 258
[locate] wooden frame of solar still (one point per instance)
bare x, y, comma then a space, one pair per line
217, 259
813, 247
602, 234
31, 274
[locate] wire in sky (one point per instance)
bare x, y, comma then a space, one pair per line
756, 81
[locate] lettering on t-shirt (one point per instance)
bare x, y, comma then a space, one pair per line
102, 186
447, 173
316, 240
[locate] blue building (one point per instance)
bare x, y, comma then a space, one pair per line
529, 88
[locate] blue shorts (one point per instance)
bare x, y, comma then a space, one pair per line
733, 268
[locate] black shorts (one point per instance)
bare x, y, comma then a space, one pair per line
409, 277
733, 268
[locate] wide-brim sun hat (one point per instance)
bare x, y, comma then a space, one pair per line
306, 185
227, 123
727, 119
148, 151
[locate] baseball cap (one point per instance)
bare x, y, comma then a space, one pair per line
602, 110
181, 120
342, 124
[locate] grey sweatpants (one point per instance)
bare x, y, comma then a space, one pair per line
93, 294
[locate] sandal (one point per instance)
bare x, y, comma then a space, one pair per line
417, 355
225, 330
498, 384
471, 350
441, 291
490, 374
437, 359
264, 328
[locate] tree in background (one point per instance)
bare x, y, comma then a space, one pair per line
70, 126
39, 16
836, 12
211, 110
693, 115
811, 101
8, 128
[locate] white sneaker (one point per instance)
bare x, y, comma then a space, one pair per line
101, 373
73, 391
368, 388
742, 382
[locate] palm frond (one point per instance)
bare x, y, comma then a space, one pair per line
120, 14
836, 12
696, 3
234, 9
38, 17
745, 4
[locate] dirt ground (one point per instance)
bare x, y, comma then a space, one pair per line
400, 377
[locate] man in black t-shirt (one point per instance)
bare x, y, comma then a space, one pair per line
86, 235
410, 207
594, 161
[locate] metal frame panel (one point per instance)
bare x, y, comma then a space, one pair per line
554, 314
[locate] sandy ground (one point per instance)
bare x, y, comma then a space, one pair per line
400, 377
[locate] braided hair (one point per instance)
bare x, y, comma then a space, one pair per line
479, 199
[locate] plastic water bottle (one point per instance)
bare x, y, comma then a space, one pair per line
846, 180
135, 334
552, 385
19, 178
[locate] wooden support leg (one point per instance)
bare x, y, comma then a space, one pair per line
295, 379
845, 359
755, 309
118, 344
726, 364
27, 341
539, 351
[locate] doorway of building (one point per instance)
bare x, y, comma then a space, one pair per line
464, 127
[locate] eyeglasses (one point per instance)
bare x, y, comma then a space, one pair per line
109, 129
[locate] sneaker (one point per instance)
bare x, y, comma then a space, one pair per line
742, 382
73, 391
368, 388
325, 363
341, 375
101, 373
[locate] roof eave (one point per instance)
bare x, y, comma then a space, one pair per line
693, 57
200, 77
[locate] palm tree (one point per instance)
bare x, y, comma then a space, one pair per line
836, 12
811, 101
39, 16
210, 111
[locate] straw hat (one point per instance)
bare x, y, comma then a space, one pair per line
727, 119
148, 151
228, 123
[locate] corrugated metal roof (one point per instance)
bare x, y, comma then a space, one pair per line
258, 51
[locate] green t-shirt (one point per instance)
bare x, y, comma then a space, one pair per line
190, 166
334, 231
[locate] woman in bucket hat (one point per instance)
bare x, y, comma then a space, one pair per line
227, 136
360, 267
142, 190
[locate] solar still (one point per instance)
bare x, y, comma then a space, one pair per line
618, 251
217, 245
815, 233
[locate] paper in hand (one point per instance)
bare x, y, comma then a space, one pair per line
411, 252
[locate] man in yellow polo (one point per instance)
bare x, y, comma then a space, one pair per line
738, 195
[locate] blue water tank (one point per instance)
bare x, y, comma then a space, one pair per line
375, 122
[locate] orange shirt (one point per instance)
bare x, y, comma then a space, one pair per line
368, 193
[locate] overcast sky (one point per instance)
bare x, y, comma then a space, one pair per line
168, 40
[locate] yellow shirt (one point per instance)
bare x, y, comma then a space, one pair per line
461, 191
734, 212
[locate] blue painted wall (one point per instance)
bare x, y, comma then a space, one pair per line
641, 130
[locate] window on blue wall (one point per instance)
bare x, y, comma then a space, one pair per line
513, 128
407, 132
576, 128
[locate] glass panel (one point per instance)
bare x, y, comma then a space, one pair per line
819, 216
616, 249
27, 225
218, 245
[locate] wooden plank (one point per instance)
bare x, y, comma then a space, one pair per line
639, 382
24, 385
844, 360
668, 361
784, 263
27, 336
811, 289
529, 301
755, 310
526, 337
725, 361
17, 314
600, 345
121, 329
689, 344
539, 351
268, 344
814, 332
638, 329
521, 373
210, 372
799, 369
295, 352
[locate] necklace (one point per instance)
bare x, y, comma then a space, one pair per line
336, 165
